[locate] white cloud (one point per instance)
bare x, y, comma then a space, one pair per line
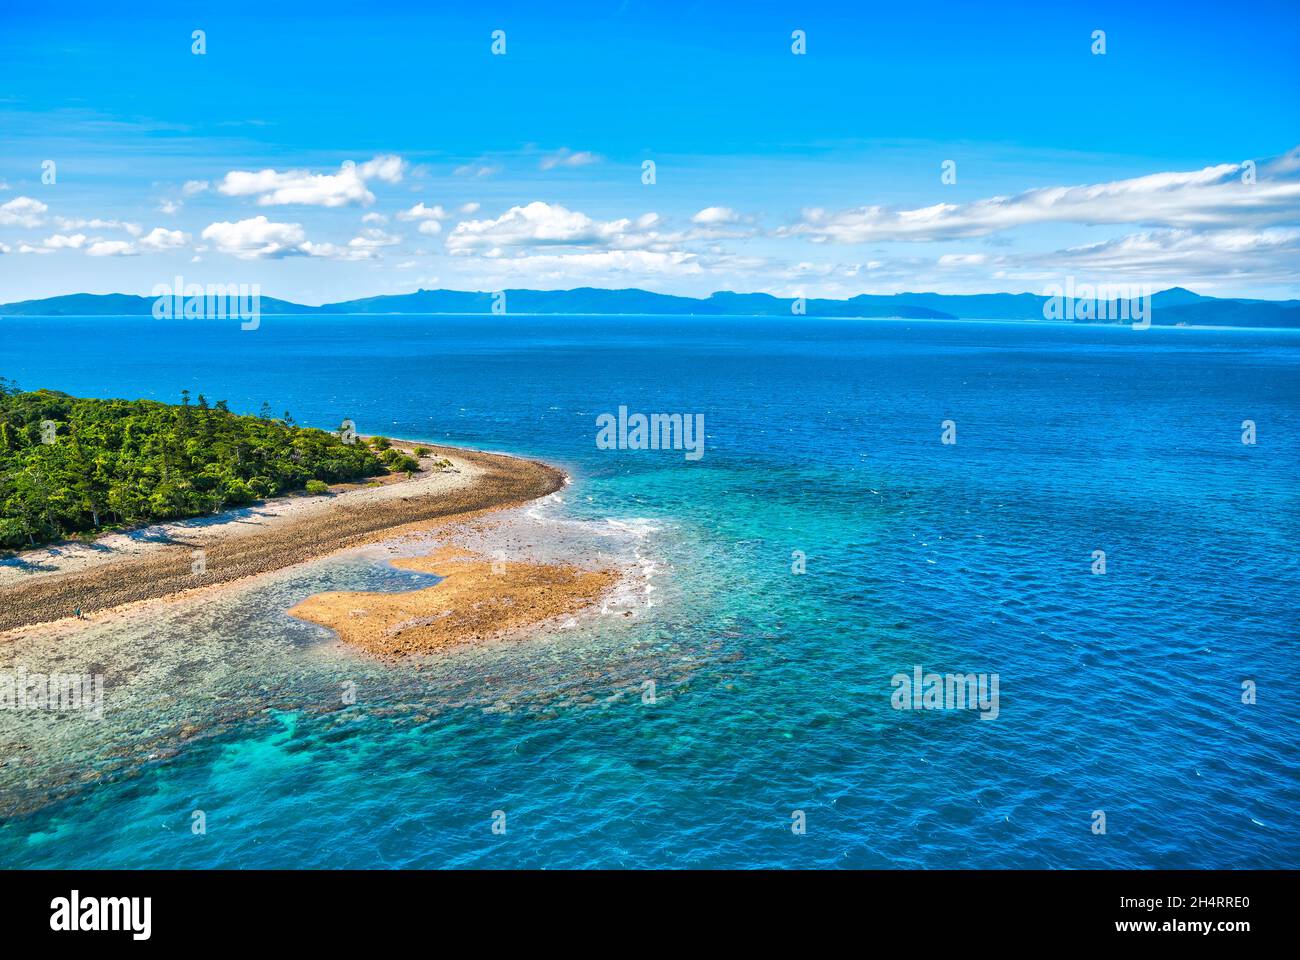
387, 168
374, 218
77, 223
429, 217
564, 157
160, 238
274, 188
1213, 261
157, 239
193, 187
538, 224
64, 242
467, 208
525, 233
370, 242
1167, 258
1212, 197
256, 238
111, 248
421, 212
358, 248
22, 212
328, 251
169, 207
711, 216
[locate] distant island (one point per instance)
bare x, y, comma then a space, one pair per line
1174, 307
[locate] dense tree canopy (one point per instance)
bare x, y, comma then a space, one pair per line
70, 466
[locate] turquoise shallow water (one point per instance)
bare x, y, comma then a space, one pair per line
1119, 692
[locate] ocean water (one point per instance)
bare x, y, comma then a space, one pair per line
1120, 693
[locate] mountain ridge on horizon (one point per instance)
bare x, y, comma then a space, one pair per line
1172, 307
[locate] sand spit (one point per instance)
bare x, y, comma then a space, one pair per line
161, 561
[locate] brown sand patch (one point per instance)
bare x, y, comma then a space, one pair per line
477, 600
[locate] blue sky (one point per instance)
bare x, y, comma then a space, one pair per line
816, 174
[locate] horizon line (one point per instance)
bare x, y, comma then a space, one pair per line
1102, 287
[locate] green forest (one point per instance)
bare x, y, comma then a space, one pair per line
71, 466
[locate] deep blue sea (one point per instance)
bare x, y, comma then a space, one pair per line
1120, 692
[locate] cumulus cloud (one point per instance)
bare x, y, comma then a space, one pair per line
364, 247
64, 242
193, 187
370, 242
260, 239
712, 216
388, 168
160, 238
564, 157
542, 235
256, 238
719, 223
1216, 196
421, 212
428, 217
111, 248
348, 185
22, 212
540, 224
156, 240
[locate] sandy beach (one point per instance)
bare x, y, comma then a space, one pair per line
173, 559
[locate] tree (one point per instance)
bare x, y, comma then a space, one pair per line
133, 461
